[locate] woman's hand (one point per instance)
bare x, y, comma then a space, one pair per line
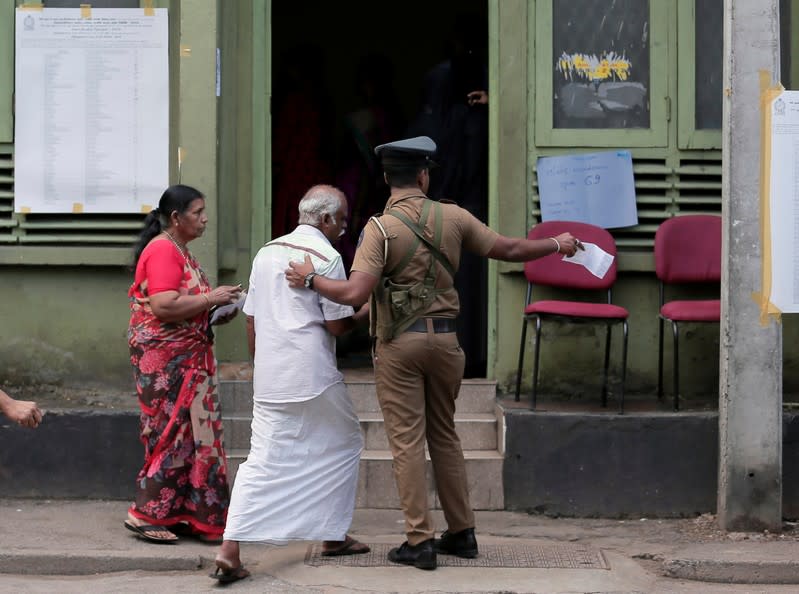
171, 306
224, 294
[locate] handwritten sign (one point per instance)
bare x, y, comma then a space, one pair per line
595, 188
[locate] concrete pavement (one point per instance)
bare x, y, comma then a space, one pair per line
84, 538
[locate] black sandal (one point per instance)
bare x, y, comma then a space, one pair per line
225, 574
147, 532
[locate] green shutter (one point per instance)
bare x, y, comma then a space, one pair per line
691, 186
7, 220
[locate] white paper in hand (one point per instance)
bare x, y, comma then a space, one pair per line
594, 258
226, 310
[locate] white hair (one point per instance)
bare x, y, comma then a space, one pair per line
319, 201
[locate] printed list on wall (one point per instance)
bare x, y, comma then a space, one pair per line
91, 110
783, 196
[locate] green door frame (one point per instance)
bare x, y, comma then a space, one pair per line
261, 155
261, 198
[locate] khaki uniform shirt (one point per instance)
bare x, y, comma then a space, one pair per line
460, 230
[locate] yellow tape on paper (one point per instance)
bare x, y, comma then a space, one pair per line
146, 208
148, 8
25, 209
181, 156
37, 6
185, 51
85, 11
77, 208
767, 96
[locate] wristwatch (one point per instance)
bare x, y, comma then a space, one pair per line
308, 282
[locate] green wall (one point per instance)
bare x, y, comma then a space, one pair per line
68, 325
673, 179
64, 325
67, 322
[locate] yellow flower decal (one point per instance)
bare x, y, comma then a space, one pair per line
591, 67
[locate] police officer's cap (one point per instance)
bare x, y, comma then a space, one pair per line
408, 152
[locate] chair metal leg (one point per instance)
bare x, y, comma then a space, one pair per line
623, 368
521, 359
537, 352
660, 358
605, 368
676, 366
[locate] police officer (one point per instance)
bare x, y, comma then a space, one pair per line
406, 260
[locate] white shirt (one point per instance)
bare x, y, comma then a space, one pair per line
295, 355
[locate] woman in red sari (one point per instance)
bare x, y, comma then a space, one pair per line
183, 483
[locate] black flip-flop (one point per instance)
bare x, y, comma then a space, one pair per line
145, 532
228, 575
348, 548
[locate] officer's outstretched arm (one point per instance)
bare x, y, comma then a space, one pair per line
515, 249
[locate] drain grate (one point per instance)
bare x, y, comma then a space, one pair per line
513, 555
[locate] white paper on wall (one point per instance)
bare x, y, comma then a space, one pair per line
91, 110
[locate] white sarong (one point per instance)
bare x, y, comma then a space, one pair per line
301, 475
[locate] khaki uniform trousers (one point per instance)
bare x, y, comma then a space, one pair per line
418, 376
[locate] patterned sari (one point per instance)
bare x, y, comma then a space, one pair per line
184, 477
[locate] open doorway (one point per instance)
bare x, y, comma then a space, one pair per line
349, 76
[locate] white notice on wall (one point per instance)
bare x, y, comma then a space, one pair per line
784, 202
595, 188
91, 110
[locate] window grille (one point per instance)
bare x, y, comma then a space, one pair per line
7, 220
96, 230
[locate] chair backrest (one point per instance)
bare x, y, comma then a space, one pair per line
552, 271
688, 249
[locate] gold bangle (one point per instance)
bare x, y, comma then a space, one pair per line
207, 299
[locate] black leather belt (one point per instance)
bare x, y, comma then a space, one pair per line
440, 325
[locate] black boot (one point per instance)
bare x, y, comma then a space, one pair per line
422, 555
462, 544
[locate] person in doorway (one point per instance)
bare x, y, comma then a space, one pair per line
454, 113
406, 261
22, 412
300, 477
376, 120
302, 150
183, 482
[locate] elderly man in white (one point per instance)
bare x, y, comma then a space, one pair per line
300, 477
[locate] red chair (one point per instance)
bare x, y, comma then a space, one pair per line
687, 251
552, 271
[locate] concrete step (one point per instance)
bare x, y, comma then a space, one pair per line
237, 430
479, 422
235, 397
476, 431
475, 396
376, 488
